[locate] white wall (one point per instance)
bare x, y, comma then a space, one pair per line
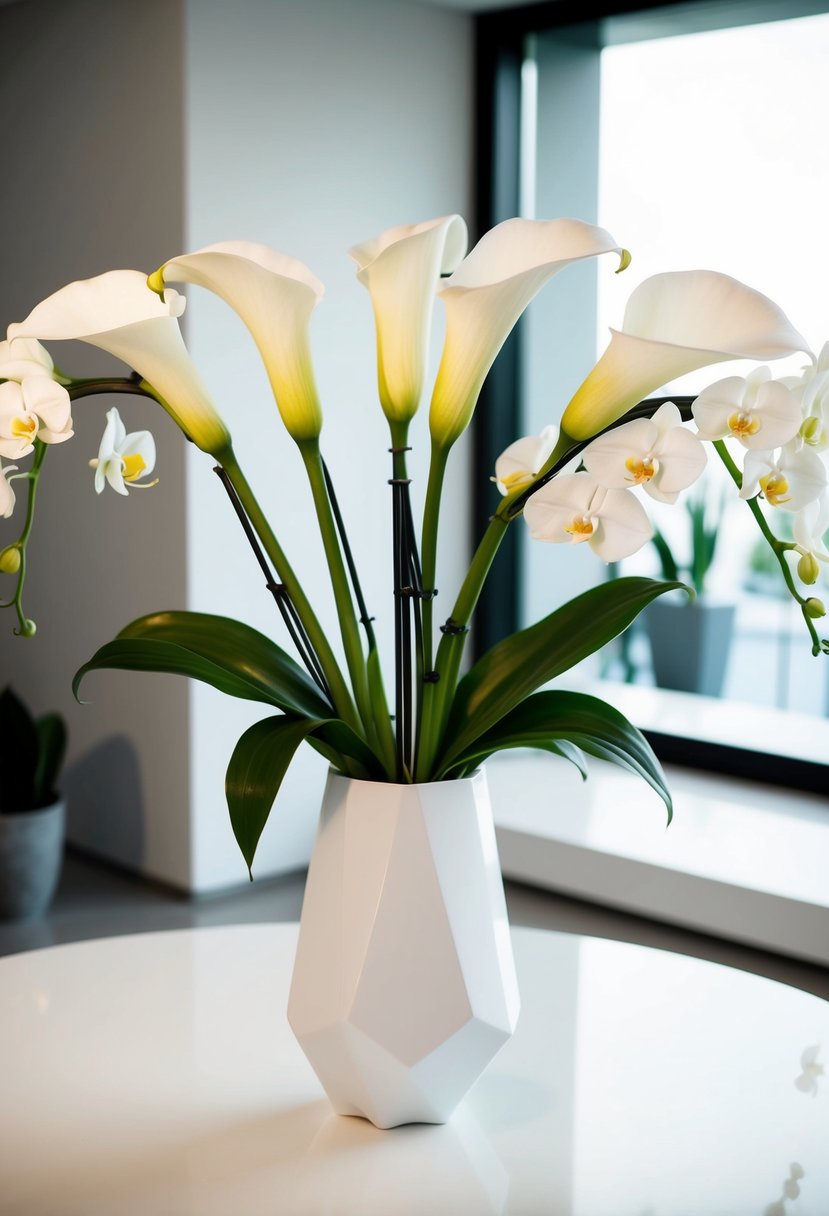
311, 126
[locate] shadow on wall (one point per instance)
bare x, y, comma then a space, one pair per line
104, 800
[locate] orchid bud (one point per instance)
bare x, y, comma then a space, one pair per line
811, 431
808, 569
10, 560
28, 629
814, 608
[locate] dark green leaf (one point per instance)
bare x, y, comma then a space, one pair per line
51, 739
224, 653
591, 724
520, 664
476, 756
259, 762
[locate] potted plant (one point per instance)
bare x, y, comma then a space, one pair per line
31, 810
690, 639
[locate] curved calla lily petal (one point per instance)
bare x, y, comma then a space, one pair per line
118, 313
274, 295
675, 323
401, 269
485, 297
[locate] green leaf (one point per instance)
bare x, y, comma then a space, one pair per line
597, 728
226, 654
51, 740
507, 674
259, 762
476, 756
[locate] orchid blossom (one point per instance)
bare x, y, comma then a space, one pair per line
118, 313
810, 526
574, 508
791, 478
759, 412
401, 269
23, 358
7, 498
36, 409
518, 465
122, 459
274, 295
675, 323
656, 453
485, 297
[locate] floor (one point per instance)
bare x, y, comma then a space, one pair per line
96, 900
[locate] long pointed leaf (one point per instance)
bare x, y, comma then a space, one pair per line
591, 724
477, 755
520, 664
224, 653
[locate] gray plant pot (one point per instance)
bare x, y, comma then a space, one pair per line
31, 851
689, 644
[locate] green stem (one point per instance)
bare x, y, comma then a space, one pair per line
429, 544
340, 694
778, 547
349, 628
109, 384
32, 477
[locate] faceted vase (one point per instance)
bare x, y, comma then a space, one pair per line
404, 984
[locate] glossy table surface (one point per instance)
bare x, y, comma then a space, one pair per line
157, 1074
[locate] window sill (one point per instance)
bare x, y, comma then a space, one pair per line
741, 860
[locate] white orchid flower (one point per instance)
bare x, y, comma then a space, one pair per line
810, 526
675, 323
274, 295
811, 388
122, 459
485, 297
36, 409
759, 412
790, 478
575, 508
656, 453
23, 358
7, 498
118, 313
401, 269
521, 461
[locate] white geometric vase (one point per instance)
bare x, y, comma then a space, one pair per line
404, 984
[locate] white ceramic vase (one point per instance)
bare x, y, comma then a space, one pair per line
404, 984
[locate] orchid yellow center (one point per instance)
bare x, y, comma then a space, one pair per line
514, 481
25, 427
641, 470
743, 423
580, 528
134, 466
775, 487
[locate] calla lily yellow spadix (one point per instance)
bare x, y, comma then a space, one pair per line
274, 295
485, 297
118, 313
401, 268
675, 323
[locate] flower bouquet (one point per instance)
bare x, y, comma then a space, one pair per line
580, 481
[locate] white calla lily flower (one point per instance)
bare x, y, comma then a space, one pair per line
274, 295
23, 358
759, 412
36, 409
7, 498
485, 297
675, 323
118, 313
791, 478
123, 459
518, 464
574, 508
656, 453
401, 269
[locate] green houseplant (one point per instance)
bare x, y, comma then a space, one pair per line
31, 811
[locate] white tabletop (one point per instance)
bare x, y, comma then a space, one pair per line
157, 1074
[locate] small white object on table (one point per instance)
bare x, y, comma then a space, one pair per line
157, 1074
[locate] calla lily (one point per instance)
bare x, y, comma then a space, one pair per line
122, 459
274, 295
485, 297
759, 412
791, 478
36, 409
675, 323
656, 453
6, 494
574, 508
118, 313
520, 462
401, 269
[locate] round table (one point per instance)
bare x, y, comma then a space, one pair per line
157, 1074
